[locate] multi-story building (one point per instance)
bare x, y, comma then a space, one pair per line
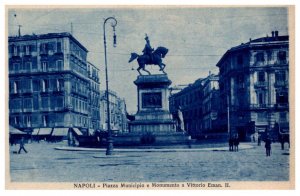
94, 99
210, 105
199, 103
117, 107
48, 82
189, 101
254, 80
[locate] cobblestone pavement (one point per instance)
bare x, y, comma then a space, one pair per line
43, 163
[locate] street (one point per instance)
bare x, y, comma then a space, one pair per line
43, 163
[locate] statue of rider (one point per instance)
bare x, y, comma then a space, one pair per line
148, 49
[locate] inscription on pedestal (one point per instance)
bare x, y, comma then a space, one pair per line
152, 100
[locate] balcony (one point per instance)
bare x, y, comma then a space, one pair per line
281, 62
43, 53
281, 105
269, 106
281, 84
27, 54
259, 106
260, 84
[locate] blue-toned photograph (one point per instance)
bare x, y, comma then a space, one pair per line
161, 95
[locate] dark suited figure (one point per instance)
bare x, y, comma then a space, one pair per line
268, 146
236, 143
22, 144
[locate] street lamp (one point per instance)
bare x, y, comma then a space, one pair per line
109, 137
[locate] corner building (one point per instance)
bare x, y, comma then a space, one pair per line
254, 79
48, 82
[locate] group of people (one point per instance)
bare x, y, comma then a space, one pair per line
234, 143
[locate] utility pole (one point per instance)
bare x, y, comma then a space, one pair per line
109, 137
19, 29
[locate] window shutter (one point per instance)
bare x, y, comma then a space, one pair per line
58, 46
32, 48
18, 50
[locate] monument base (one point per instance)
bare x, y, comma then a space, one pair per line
154, 139
153, 107
153, 124
155, 121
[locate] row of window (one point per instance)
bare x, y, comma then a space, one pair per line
263, 116
79, 87
260, 57
78, 66
95, 86
281, 56
45, 66
76, 50
79, 105
36, 103
45, 120
281, 97
36, 120
36, 85
280, 76
44, 48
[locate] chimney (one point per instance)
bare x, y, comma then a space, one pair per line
276, 33
272, 33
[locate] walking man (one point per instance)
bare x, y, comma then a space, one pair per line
22, 144
268, 145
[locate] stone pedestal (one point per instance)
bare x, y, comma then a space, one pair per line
153, 106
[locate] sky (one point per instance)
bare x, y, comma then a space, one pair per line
196, 37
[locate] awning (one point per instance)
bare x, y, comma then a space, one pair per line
77, 131
60, 132
35, 131
42, 131
13, 130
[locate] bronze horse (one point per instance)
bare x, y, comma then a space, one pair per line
143, 60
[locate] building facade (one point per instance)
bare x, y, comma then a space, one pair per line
48, 82
199, 103
94, 96
117, 107
254, 81
189, 101
210, 105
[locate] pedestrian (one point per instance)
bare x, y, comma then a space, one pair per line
22, 146
236, 143
268, 145
230, 141
259, 140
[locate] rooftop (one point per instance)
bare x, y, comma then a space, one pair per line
45, 36
275, 39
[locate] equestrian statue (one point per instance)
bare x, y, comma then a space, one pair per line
150, 57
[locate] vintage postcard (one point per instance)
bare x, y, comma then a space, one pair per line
150, 97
